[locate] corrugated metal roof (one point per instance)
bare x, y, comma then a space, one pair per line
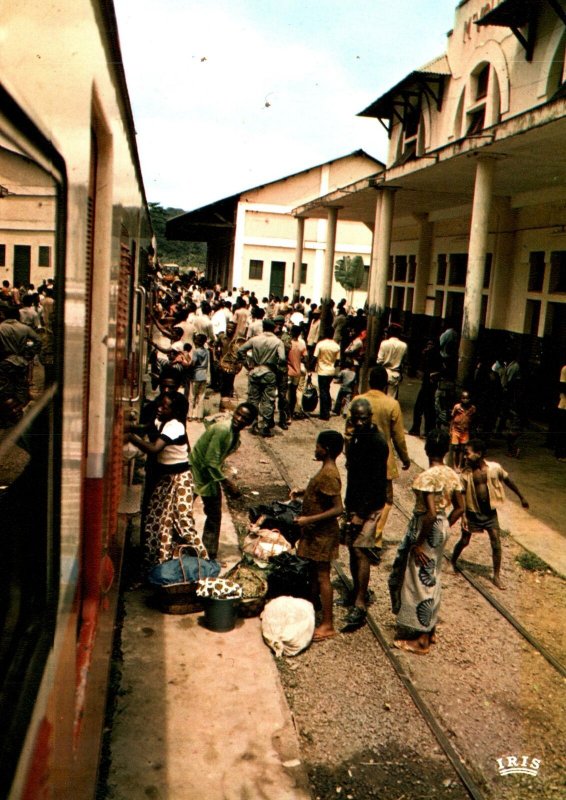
215, 219
438, 66
382, 108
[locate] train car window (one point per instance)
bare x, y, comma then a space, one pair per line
31, 209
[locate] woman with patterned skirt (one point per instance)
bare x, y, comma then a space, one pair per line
169, 519
414, 583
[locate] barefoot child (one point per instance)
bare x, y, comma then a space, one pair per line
483, 494
319, 539
462, 414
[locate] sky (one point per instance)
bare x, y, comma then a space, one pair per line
232, 94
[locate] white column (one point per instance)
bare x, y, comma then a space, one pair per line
501, 265
424, 259
238, 278
384, 248
384, 226
377, 295
328, 275
372, 277
373, 320
476, 266
298, 258
329, 257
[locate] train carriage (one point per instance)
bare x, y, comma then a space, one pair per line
72, 208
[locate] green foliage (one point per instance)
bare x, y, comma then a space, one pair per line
531, 562
349, 272
185, 254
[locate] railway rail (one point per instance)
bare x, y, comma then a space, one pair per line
424, 709
511, 619
497, 605
427, 713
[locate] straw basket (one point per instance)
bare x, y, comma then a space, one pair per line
180, 598
254, 589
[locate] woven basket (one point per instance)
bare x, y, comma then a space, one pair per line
254, 589
179, 598
251, 607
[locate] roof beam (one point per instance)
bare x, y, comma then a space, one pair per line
515, 15
555, 4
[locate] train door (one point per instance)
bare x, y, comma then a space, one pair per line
122, 378
110, 282
99, 365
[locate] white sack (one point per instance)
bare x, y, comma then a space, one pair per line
288, 625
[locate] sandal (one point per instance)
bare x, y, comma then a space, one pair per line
355, 619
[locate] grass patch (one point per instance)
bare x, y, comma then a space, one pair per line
532, 563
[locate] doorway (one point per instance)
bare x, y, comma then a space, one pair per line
22, 265
277, 278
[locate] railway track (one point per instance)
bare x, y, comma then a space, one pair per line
432, 719
496, 603
501, 609
423, 707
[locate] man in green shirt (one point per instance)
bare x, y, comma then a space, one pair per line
207, 464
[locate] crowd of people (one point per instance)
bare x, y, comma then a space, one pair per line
330, 345
26, 337
279, 343
207, 335
202, 337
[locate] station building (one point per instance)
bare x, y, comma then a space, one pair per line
469, 216
27, 222
252, 236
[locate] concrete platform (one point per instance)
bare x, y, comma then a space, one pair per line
201, 714
197, 720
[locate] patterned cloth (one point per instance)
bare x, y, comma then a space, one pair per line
442, 481
170, 519
415, 590
219, 589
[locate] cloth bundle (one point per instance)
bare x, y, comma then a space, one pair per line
172, 571
278, 516
261, 544
287, 625
219, 589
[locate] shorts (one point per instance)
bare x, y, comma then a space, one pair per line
459, 437
361, 535
476, 522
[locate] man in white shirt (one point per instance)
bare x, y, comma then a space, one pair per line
297, 317
391, 355
219, 319
326, 353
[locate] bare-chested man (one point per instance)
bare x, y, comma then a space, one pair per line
482, 484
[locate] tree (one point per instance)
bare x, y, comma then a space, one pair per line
349, 272
185, 254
